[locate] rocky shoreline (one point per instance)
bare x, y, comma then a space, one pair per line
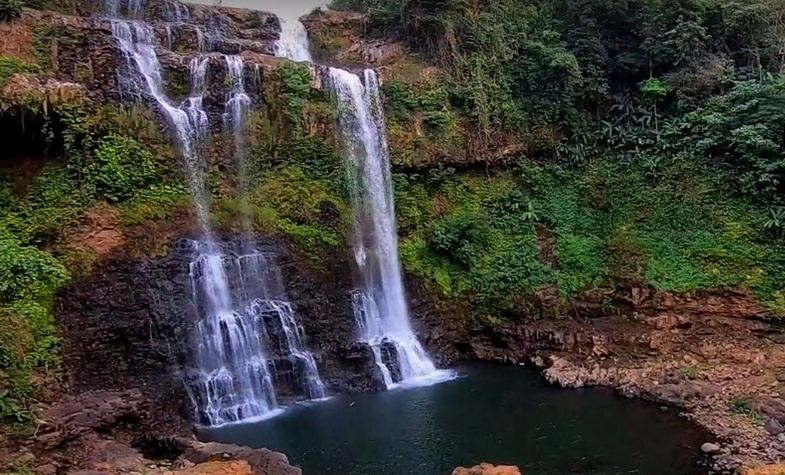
721, 372
709, 357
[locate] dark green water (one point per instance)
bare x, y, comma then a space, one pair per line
492, 413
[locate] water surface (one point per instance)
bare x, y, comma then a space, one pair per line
492, 413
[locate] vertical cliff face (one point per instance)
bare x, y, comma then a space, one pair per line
128, 323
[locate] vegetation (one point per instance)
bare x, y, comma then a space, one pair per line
10, 9
541, 150
86, 161
650, 140
744, 408
10, 65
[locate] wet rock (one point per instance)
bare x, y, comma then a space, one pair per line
710, 448
87, 412
772, 407
773, 426
682, 393
488, 469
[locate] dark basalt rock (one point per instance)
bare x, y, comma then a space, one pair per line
128, 325
390, 359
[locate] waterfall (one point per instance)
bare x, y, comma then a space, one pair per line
237, 316
260, 282
380, 306
293, 42
233, 381
237, 107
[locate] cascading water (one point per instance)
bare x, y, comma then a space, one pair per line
267, 301
265, 297
232, 380
380, 306
293, 42
237, 107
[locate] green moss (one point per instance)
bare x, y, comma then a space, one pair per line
121, 168
10, 65
29, 280
294, 89
152, 204
290, 202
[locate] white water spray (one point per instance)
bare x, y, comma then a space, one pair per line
380, 306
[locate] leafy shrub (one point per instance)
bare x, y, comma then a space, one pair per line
152, 204
10, 9
10, 65
29, 279
53, 200
653, 90
295, 85
121, 168
459, 237
398, 99
26, 272
743, 129
744, 408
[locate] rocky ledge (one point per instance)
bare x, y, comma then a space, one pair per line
111, 433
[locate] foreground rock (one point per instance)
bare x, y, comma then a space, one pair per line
114, 432
216, 468
764, 470
487, 469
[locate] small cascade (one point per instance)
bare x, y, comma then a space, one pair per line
114, 8
169, 36
293, 43
380, 306
176, 12
250, 346
279, 314
268, 302
233, 381
200, 39
238, 104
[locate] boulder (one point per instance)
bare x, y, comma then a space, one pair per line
260, 461
667, 321
488, 469
773, 426
710, 448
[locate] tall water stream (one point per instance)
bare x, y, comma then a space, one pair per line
380, 306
